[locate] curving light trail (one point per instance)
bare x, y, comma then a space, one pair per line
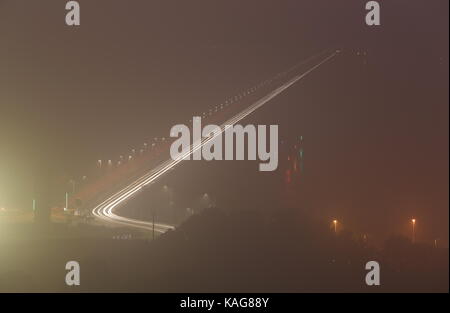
105, 210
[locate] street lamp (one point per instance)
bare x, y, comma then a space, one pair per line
335, 222
413, 222
66, 208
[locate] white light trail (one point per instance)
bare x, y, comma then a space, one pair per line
105, 210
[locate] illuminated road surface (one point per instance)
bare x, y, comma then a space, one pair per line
105, 210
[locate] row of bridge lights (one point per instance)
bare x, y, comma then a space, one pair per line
216, 109
131, 156
239, 96
204, 115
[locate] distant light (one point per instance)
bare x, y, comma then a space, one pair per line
335, 222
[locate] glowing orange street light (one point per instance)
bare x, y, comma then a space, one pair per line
413, 221
335, 222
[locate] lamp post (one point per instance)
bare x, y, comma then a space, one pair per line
66, 208
335, 222
413, 222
